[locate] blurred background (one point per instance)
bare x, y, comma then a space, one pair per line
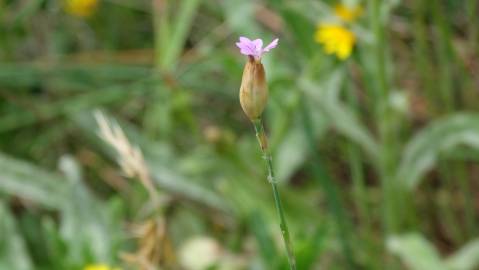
123, 144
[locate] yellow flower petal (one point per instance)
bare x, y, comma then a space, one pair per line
99, 267
336, 40
347, 14
344, 50
81, 8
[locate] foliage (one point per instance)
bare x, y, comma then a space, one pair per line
375, 150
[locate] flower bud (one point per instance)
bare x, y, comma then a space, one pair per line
254, 90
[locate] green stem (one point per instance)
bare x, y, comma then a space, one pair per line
387, 132
380, 48
357, 170
161, 30
444, 56
460, 175
262, 139
446, 212
421, 49
473, 33
467, 191
330, 190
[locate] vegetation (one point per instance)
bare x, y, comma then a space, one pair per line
124, 144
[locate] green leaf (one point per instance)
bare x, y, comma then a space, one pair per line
22, 179
13, 251
180, 28
261, 231
84, 221
161, 163
326, 95
27, 10
292, 150
240, 17
311, 246
444, 135
174, 182
467, 258
302, 29
290, 153
416, 252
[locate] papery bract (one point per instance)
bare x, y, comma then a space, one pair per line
253, 90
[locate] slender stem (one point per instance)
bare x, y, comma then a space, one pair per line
380, 48
446, 212
263, 142
162, 31
391, 192
387, 130
331, 190
444, 56
357, 170
467, 191
473, 33
422, 50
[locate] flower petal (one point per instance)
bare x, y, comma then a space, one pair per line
258, 47
254, 47
258, 43
272, 45
246, 46
245, 40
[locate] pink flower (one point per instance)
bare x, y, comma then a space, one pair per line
254, 48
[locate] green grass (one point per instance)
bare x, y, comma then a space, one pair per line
375, 157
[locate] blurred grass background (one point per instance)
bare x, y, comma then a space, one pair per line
376, 155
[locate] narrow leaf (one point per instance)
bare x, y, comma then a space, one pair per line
416, 252
444, 135
467, 258
22, 179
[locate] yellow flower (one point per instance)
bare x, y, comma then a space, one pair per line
81, 8
336, 39
99, 267
346, 13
